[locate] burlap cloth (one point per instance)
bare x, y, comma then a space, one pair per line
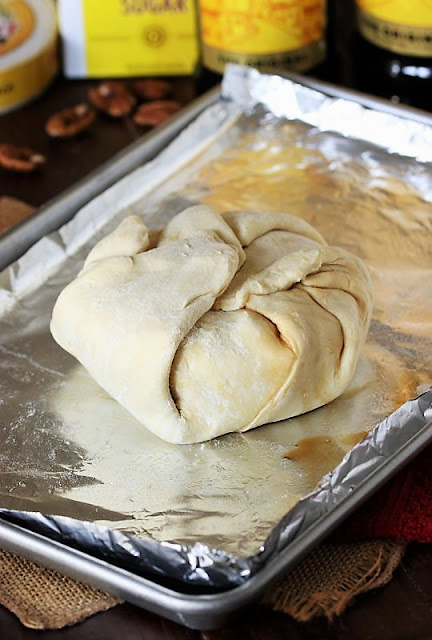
323, 583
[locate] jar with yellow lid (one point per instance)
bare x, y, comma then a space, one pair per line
28, 50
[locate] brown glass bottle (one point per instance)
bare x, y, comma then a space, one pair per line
394, 57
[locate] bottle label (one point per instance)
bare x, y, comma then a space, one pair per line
267, 34
397, 25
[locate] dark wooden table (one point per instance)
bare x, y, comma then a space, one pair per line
402, 610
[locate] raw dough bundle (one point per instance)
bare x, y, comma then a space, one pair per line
220, 323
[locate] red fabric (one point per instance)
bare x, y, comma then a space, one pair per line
402, 509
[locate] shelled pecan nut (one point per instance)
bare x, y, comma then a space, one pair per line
153, 113
69, 122
113, 98
21, 159
151, 88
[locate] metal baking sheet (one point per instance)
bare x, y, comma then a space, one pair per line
79, 471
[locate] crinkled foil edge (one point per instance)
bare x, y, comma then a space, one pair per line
213, 569
285, 98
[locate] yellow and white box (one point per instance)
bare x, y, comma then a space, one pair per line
28, 50
117, 38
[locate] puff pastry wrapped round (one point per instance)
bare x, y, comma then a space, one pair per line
221, 323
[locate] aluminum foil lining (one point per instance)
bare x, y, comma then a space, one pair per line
77, 468
395, 133
211, 568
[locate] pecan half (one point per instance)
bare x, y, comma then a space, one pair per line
22, 159
151, 88
112, 97
153, 113
69, 122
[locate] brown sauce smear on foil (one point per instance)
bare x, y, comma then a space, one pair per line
317, 455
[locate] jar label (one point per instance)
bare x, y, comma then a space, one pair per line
28, 50
263, 33
397, 25
16, 24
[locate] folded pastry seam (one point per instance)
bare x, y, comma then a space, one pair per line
231, 320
